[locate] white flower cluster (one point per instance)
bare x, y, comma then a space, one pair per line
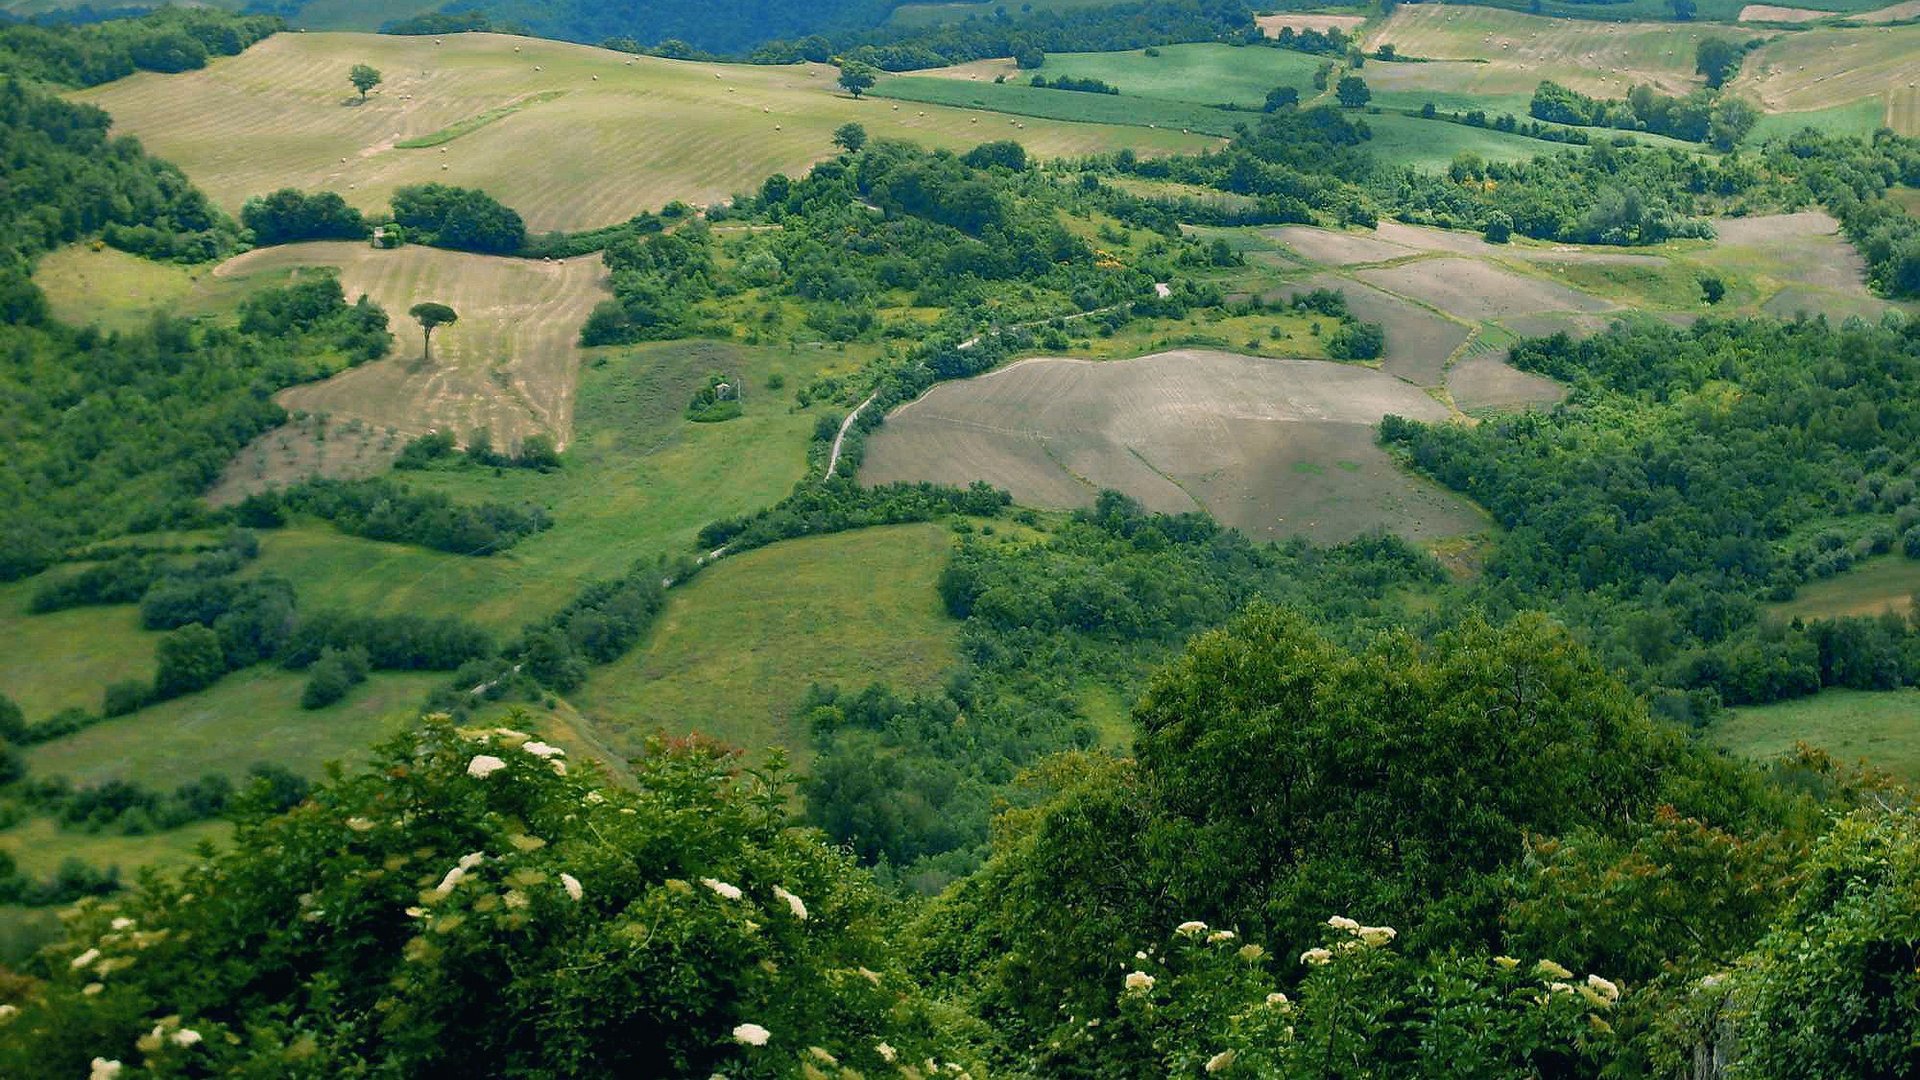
1138, 981
1600, 993
1372, 937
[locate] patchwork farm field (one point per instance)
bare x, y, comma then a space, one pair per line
1833, 67
740, 644
1207, 74
601, 137
1273, 447
509, 366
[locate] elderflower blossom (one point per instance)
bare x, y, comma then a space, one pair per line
360, 824
122, 923
731, 892
1250, 952
572, 885
454, 877
8, 1012
1549, 969
1316, 957
92, 988
1277, 998
1507, 963
886, 1052
1191, 928
1219, 936
751, 1035
186, 1037
1139, 980
794, 903
1377, 936
1341, 922
84, 959
1220, 1061
484, 765
102, 1069
543, 750
1606, 988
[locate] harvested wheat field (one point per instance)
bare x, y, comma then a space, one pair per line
1771, 13
1819, 69
1271, 25
508, 366
1335, 247
572, 137
1505, 52
1272, 447
1473, 290
1804, 249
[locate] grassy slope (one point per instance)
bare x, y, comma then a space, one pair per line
739, 646
1889, 582
248, 717
117, 291
65, 659
640, 481
1513, 52
628, 134
1883, 728
1205, 74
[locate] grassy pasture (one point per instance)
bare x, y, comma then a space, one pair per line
1274, 447
113, 290
248, 717
640, 481
1885, 583
1860, 117
1509, 53
740, 643
629, 134
1829, 67
39, 845
64, 659
1882, 728
509, 366
1178, 118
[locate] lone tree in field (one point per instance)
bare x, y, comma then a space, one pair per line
858, 77
850, 137
363, 79
1352, 91
432, 316
1717, 59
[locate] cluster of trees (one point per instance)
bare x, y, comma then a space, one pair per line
123, 431
1687, 483
290, 215
73, 880
172, 39
438, 448
1328, 857
1705, 116
463, 219
130, 809
67, 179
1069, 82
1332, 41
1026, 35
126, 577
381, 509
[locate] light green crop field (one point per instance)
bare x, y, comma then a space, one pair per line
1882, 728
1828, 67
1505, 52
739, 645
639, 482
249, 717
113, 290
65, 659
1885, 583
624, 134
1861, 117
1207, 74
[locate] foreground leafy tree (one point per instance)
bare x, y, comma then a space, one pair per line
470, 907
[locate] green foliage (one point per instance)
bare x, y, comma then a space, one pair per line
190, 659
462, 219
1352, 91
90, 53
333, 676
1717, 60
857, 78
1282, 97
402, 918
363, 78
381, 509
850, 137
1702, 116
1069, 82
289, 215
718, 400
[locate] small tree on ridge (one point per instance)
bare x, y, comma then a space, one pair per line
431, 317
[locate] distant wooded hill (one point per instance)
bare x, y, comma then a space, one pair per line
721, 26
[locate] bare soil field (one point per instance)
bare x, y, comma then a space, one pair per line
509, 366
1486, 382
1273, 447
304, 447
1770, 13
1271, 25
603, 135
1804, 248
1332, 247
1419, 341
1474, 290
